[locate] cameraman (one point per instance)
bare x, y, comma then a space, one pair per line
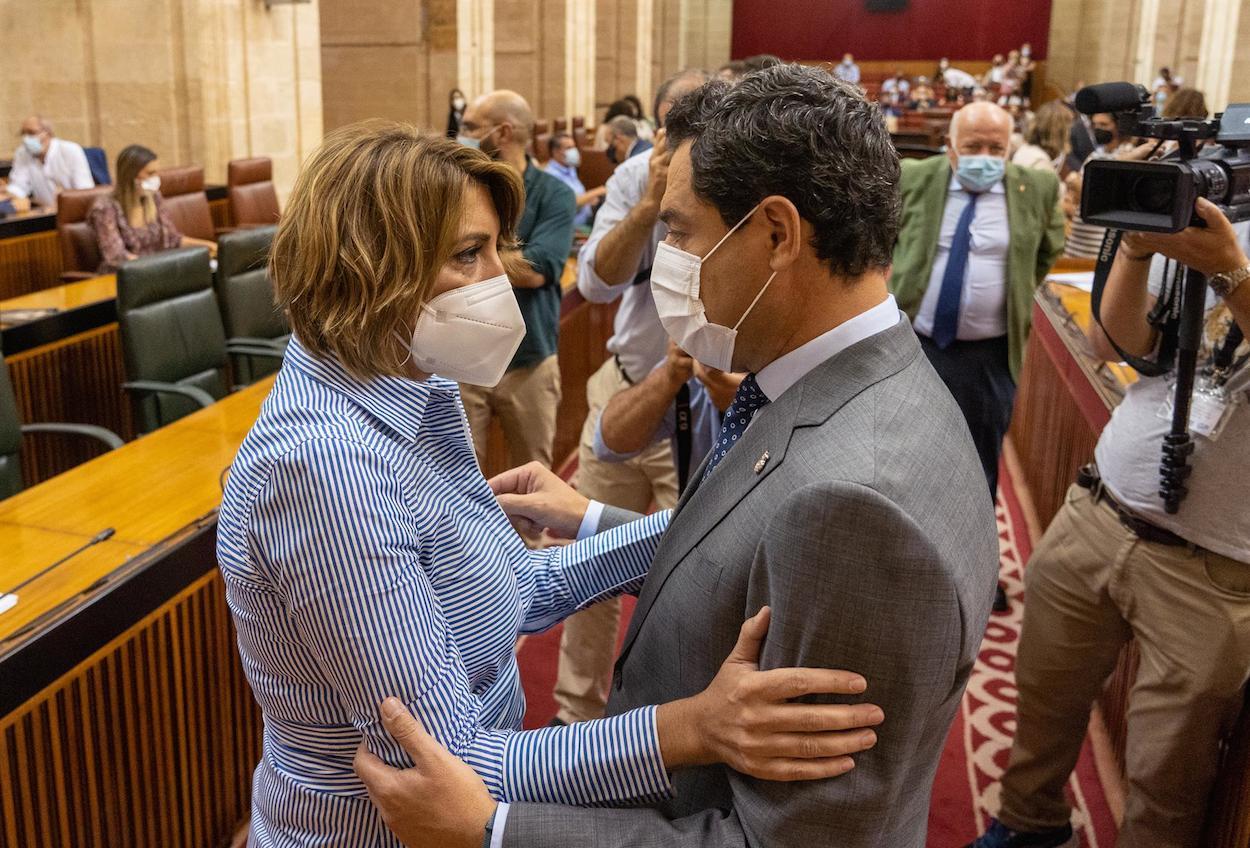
1114, 565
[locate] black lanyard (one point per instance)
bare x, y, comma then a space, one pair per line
683, 433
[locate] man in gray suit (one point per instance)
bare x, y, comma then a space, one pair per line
845, 492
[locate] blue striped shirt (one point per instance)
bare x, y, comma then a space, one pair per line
364, 555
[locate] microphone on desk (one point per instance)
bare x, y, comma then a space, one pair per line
8, 599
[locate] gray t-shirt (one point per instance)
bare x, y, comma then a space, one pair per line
1215, 514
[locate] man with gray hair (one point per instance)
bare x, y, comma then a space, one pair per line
844, 493
622, 139
44, 165
978, 237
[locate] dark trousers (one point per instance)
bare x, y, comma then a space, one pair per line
979, 376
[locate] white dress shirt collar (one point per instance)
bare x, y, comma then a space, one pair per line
783, 372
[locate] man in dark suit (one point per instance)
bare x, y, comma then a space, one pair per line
843, 492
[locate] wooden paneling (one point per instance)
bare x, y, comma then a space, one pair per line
150, 742
29, 263
77, 380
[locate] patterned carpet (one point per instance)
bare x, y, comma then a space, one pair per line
965, 792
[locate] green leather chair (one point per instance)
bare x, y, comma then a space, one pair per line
245, 294
173, 342
12, 430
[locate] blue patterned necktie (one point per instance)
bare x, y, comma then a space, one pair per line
749, 398
946, 316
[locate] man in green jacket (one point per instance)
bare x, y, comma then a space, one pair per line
978, 235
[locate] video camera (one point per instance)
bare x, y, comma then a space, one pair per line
1158, 196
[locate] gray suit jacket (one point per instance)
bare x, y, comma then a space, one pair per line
868, 530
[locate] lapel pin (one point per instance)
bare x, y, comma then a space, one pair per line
1021, 186
761, 462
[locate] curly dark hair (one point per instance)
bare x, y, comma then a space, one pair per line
797, 132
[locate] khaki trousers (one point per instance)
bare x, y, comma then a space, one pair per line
1089, 587
588, 645
525, 401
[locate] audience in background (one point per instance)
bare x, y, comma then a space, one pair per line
44, 165
622, 141
525, 400
616, 263
133, 220
848, 71
1024, 71
616, 109
646, 127
1046, 139
563, 163
993, 78
456, 105
10, 204
922, 95
967, 263
1164, 86
958, 82
896, 88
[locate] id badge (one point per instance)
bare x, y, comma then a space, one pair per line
1208, 408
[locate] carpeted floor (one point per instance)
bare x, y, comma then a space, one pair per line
966, 790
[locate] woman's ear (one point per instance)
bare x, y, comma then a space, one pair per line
785, 231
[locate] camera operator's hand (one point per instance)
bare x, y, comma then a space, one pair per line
1212, 249
1138, 152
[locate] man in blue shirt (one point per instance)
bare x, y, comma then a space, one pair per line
681, 400
526, 399
563, 164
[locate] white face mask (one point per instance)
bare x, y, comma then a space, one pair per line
469, 334
458, 104
675, 287
151, 184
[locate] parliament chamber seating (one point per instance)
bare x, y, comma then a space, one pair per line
249, 186
542, 152
80, 255
595, 169
245, 295
185, 198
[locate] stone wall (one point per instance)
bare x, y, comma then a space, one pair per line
198, 81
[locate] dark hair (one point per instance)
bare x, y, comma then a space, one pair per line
618, 108
633, 98
759, 62
800, 133
451, 96
553, 143
130, 162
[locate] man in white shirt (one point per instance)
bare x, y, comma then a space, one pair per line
616, 263
847, 71
44, 165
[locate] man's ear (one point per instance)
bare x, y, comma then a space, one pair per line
785, 231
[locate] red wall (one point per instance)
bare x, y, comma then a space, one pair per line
927, 29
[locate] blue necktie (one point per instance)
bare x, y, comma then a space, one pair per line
946, 317
749, 398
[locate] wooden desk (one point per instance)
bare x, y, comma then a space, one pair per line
1064, 400
67, 367
125, 718
30, 251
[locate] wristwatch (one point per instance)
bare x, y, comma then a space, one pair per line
1225, 283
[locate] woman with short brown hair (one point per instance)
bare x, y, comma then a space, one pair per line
364, 554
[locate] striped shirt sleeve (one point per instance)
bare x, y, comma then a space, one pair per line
333, 529
569, 578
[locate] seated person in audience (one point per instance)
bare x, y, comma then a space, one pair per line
646, 127
9, 203
1115, 565
44, 165
133, 221
993, 78
364, 554
897, 86
615, 109
563, 163
1186, 103
643, 414
957, 81
847, 70
923, 96
622, 139
1046, 139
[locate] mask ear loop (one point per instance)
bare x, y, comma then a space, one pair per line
732, 230
757, 300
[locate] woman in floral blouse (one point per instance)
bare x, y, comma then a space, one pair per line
133, 221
